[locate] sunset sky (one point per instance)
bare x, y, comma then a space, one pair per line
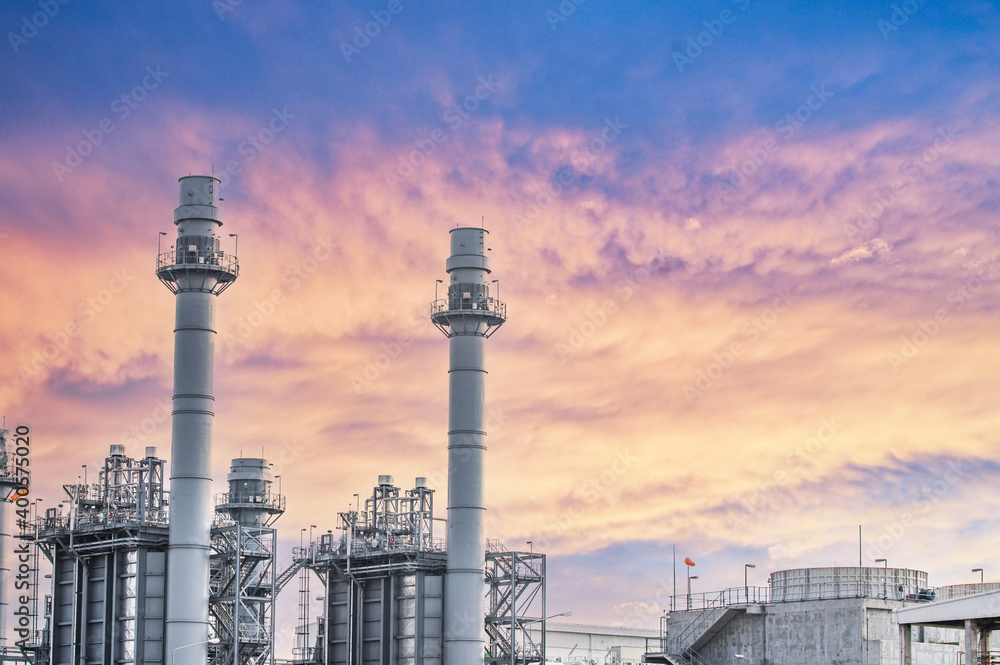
749, 252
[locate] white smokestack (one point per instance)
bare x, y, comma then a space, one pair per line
196, 271
467, 316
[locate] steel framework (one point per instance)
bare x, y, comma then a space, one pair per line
108, 565
242, 584
516, 601
383, 582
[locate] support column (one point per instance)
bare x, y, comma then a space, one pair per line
905, 644
971, 642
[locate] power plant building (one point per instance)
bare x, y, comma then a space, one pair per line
146, 571
150, 570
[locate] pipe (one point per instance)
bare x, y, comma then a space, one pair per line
467, 317
196, 272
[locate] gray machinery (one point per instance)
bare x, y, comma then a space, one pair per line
196, 271
108, 556
467, 317
383, 578
243, 584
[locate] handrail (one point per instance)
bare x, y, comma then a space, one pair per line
490, 305
200, 258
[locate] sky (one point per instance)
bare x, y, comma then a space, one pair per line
749, 253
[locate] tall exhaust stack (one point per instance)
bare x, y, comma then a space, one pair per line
467, 316
196, 271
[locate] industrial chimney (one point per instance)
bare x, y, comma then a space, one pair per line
467, 317
196, 271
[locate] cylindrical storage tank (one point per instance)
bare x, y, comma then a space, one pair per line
801, 584
959, 590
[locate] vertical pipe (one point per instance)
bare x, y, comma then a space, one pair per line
467, 316
196, 272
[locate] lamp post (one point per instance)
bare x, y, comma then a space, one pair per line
173, 653
531, 547
236, 245
746, 582
688, 564
312, 550
497, 282
436, 282
982, 578
885, 578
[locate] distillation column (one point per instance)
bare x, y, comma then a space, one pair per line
467, 317
196, 271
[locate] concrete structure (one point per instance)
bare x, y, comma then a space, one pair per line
467, 317
811, 616
598, 645
976, 616
196, 271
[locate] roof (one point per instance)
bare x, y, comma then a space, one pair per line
585, 629
953, 612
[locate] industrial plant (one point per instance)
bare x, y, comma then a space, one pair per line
156, 569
